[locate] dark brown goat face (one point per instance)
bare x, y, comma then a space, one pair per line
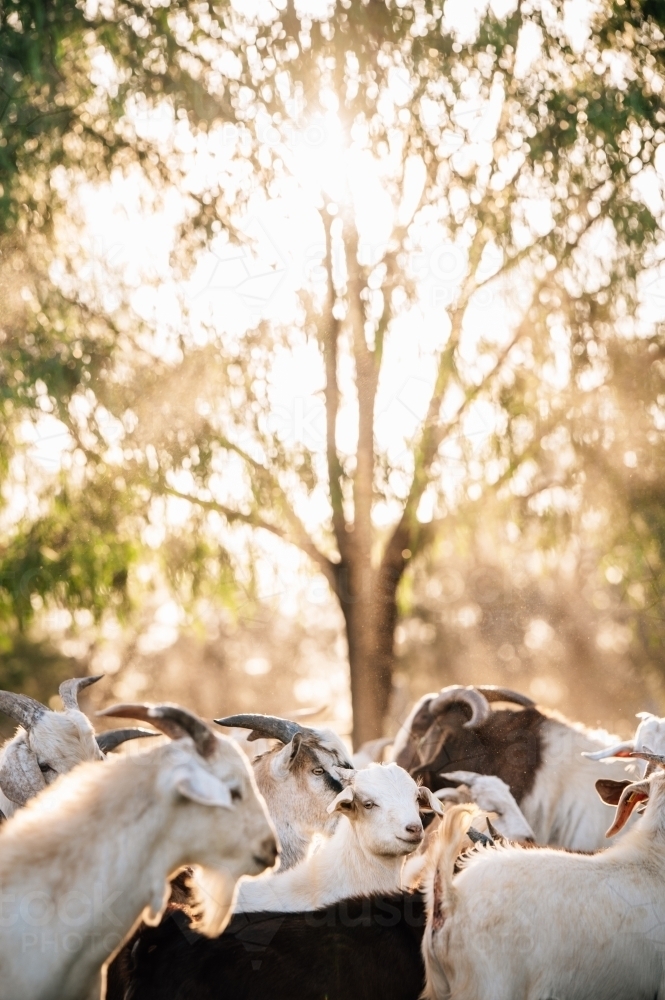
507, 745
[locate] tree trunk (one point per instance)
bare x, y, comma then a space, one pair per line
370, 614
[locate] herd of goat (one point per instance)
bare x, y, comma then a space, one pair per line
473, 865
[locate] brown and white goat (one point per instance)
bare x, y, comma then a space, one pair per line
538, 755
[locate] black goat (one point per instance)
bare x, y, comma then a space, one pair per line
358, 949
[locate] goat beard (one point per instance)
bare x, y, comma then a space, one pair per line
213, 893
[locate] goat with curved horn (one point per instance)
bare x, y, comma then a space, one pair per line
113, 738
22, 709
173, 721
493, 693
69, 690
477, 702
269, 727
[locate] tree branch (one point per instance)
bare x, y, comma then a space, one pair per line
366, 383
330, 343
301, 539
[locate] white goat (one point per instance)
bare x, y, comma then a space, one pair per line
495, 803
521, 924
494, 798
48, 744
299, 779
379, 824
650, 733
90, 857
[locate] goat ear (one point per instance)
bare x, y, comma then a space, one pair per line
427, 800
296, 743
343, 802
20, 777
286, 757
610, 790
199, 786
454, 795
466, 777
631, 796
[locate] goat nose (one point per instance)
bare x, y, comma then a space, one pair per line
414, 828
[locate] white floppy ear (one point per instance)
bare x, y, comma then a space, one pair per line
427, 800
454, 795
466, 777
199, 786
343, 802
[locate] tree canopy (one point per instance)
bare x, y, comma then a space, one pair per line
468, 209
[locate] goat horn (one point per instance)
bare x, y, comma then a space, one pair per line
112, 738
646, 754
173, 721
494, 693
497, 837
620, 750
477, 702
264, 726
69, 690
476, 837
21, 708
137, 710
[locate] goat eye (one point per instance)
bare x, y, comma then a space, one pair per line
236, 795
46, 768
369, 805
317, 770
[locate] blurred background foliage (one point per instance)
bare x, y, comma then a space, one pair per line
540, 563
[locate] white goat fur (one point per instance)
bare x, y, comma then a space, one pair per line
521, 924
563, 808
60, 740
379, 824
649, 735
494, 801
296, 795
494, 798
89, 858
